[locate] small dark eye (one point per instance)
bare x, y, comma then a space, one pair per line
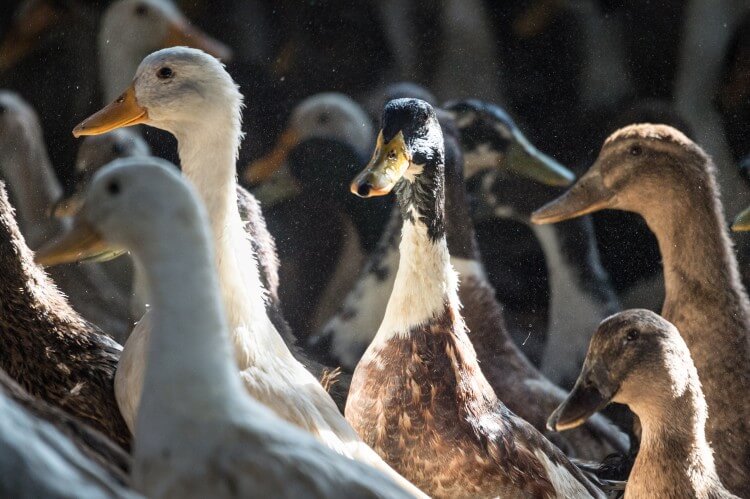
165, 73
141, 10
392, 155
324, 118
635, 150
113, 187
632, 335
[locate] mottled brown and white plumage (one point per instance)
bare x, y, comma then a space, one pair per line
418, 395
657, 172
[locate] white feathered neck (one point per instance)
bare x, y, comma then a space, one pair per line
208, 150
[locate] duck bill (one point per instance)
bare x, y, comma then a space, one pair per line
262, 169
123, 111
586, 196
742, 222
524, 159
80, 242
67, 206
182, 33
585, 400
387, 166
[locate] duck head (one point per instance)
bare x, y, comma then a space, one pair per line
327, 115
638, 167
132, 29
491, 140
128, 201
409, 145
94, 153
634, 358
180, 90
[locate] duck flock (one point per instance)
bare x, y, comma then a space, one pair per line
207, 290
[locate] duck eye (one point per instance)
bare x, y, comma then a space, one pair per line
635, 150
165, 73
113, 187
141, 10
632, 335
392, 155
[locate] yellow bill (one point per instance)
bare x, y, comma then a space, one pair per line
388, 165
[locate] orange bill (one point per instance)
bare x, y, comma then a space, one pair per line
262, 169
124, 111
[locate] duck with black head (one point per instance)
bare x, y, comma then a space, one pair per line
657, 172
638, 358
418, 396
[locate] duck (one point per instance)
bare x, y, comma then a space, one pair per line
580, 293
48, 349
639, 359
145, 206
172, 87
33, 188
657, 172
522, 388
337, 232
348, 333
418, 395
47, 453
330, 115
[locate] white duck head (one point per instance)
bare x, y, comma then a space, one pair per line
327, 115
132, 29
181, 90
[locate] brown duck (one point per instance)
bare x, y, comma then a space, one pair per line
639, 359
45, 346
418, 396
657, 172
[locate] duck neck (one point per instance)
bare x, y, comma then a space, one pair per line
425, 282
575, 272
191, 375
34, 188
208, 156
704, 295
673, 442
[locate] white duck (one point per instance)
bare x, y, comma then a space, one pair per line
190, 94
237, 447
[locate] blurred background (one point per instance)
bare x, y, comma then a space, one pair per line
568, 72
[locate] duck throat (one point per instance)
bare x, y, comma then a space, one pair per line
208, 160
425, 284
190, 375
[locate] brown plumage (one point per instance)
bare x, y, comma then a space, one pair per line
424, 405
639, 359
657, 172
46, 347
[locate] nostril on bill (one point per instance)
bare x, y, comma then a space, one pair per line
363, 189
